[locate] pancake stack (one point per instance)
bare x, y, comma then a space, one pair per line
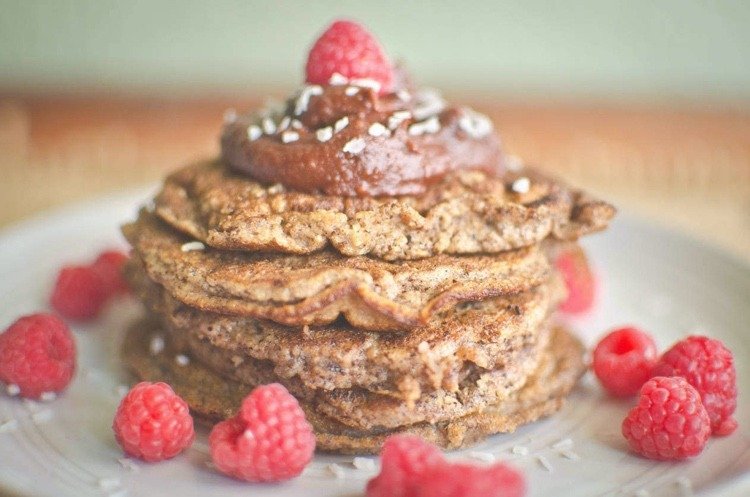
425, 310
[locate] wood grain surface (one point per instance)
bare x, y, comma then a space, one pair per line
688, 169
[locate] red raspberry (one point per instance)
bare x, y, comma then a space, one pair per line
669, 421
109, 267
579, 281
624, 360
79, 292
411, 467
709, 366
38, 354
466, 480
153, 423
403, 461
268, 440
347, 48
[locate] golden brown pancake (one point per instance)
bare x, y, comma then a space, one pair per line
363, 409
468, 212
316, 289
214, 397
454, 344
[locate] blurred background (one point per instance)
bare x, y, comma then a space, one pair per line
644, 102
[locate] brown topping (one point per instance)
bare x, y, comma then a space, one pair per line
360, 144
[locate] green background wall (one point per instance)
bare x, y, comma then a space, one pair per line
691, 50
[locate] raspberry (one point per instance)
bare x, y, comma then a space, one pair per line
109, 268
404, 459
347, 48
579, 281
709, 367
465, 480
268, 440
79, 292
153, 423
38, 354
669, 421
411, 467
624, 360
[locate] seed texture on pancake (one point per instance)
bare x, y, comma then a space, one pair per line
474, 335
316, 289
468, 212
214, 397
363, 409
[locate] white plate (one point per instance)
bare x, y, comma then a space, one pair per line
662, 281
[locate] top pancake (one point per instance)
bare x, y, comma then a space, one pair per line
467, 212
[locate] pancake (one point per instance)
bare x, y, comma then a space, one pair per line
316, 289
468, 212
365, 410
213, 397
431, 357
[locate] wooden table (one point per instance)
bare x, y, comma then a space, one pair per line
683, 168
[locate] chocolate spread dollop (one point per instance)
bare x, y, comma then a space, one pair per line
344, 139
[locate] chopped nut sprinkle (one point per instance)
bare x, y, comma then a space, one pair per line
337, 79
377, 129
474, 124
431, 125
520, 450
354, 146
397, 118
157, 345
324, 134
192, 246
254, 132
269, 127
303, 100
543, 462
340, 124
336, 470
364, 463
366, 83
289, 136
284, 124
521, 185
